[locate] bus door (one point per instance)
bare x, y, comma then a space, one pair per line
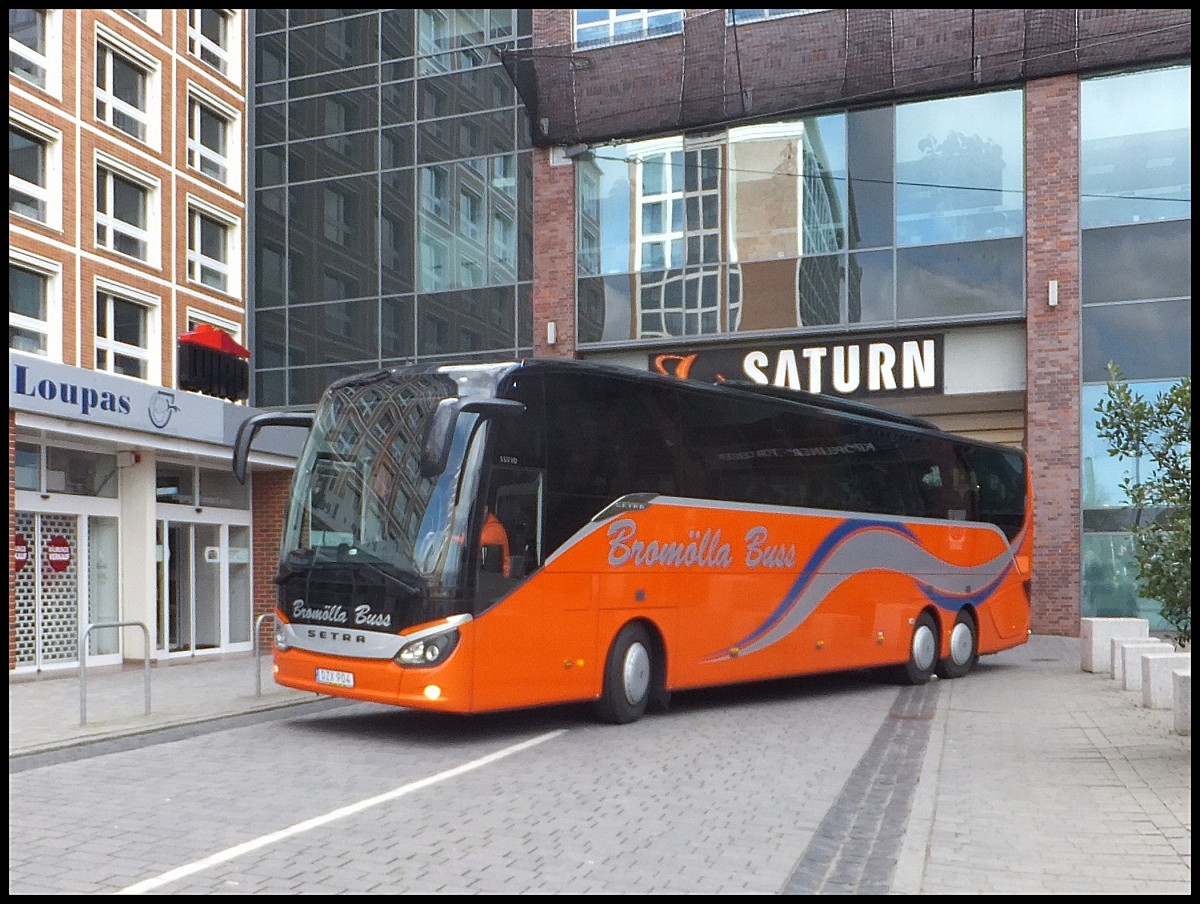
536, 631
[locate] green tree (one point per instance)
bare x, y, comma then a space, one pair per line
1158, 435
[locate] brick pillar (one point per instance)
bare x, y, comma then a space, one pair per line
553, 252
1052, 396
269, 495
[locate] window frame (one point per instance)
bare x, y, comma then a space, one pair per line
198, 261
198, 153
49, 194
49, 63
149, 118
151, 306
149, 235
227, 58
51, 327
615, 25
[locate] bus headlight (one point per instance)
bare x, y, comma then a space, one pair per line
428, 651
281, 637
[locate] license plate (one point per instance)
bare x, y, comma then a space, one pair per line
335, 679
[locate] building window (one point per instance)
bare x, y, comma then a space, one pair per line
336, 218
28, 40
435, 265
210, 38
594, 27
208, 251
434, 191
122, 214
30, 307
470, 214
504, 240
28, 174
151, 17
208, 140
121, 93
742, 16
872, 218
122, 336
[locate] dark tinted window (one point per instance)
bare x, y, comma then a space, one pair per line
1000, 478
758, 452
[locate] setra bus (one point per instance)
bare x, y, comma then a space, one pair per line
662, 534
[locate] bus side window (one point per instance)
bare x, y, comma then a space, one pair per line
1000, 478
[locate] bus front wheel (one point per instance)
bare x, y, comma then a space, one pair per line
627, 674
922, 651
964, 647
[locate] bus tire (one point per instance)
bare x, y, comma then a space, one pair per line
964, 647
922, 651
627, 677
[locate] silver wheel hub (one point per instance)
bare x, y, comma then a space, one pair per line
924, 647
960, 644
635, 673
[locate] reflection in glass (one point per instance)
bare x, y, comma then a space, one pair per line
765, 191
959, 169
1103, 473
240, 597
869, 177
1110, 586
326, 333
1127, 263
969, 278
820, 290
825, 189
1149, 340
870, 287
1135, 147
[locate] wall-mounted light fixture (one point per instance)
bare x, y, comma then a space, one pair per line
1052, 293
551, 333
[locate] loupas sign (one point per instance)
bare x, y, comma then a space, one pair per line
862, 367
57, 390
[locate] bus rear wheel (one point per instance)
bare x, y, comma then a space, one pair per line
922, 651
964, 647
627, 677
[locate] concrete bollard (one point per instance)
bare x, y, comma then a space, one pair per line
1132, 656
1182, 680
1158, 689
1096, 634
1116, 657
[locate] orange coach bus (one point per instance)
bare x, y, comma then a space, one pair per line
662, 534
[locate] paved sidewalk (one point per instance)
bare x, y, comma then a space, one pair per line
44, 711
1040, 778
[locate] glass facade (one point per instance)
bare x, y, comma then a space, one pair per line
392, 212
875, 218
1136, 283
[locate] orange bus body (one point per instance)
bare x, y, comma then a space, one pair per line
730, 593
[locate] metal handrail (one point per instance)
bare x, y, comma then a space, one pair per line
83, 662
257, 661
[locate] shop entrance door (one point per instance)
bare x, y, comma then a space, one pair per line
64, 572
189, 584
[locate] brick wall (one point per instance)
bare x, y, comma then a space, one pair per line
554, 254
269, 495
1052, 408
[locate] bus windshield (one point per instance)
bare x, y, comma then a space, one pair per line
363, 515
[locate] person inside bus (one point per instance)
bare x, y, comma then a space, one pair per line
494, 534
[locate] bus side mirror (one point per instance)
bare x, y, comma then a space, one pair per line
250, 427
492, 558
